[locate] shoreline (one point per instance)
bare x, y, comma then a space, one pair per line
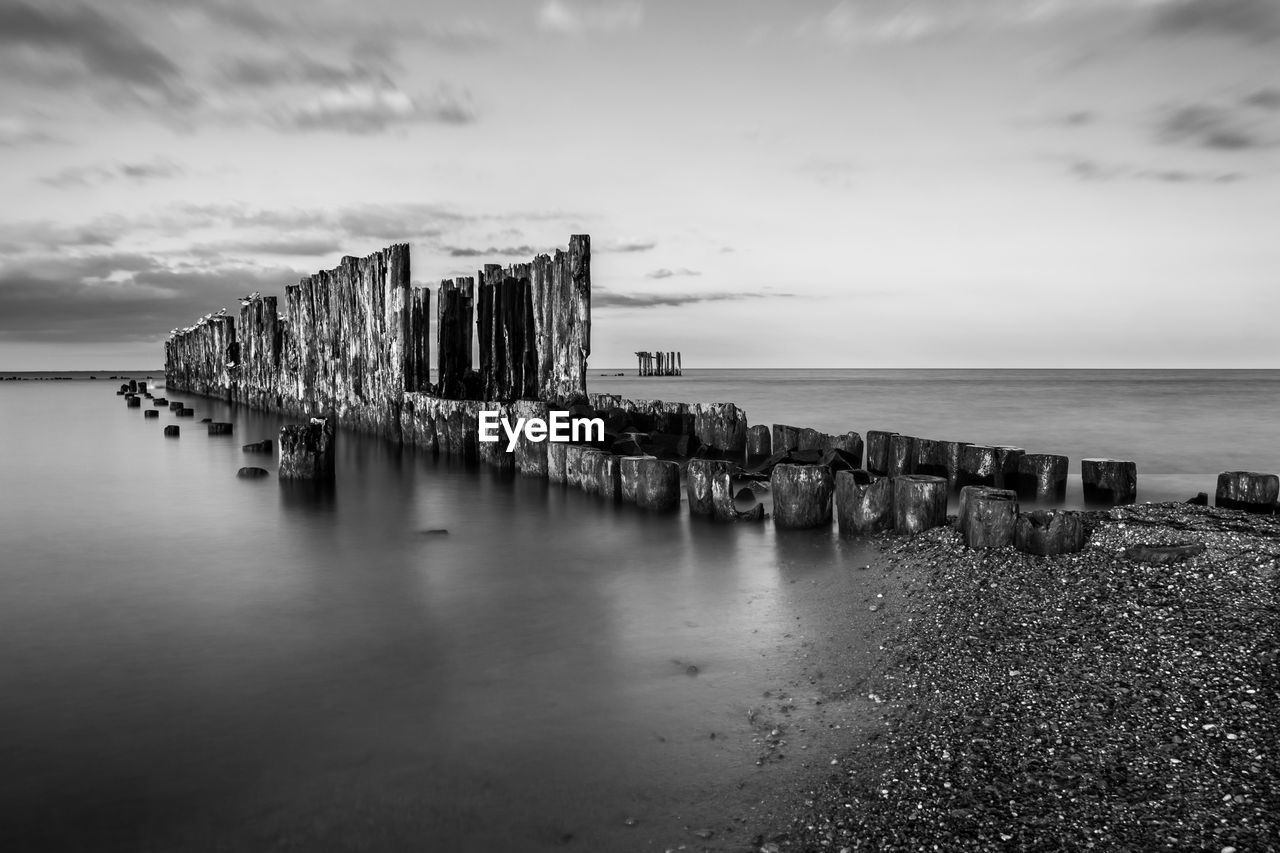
1086, 701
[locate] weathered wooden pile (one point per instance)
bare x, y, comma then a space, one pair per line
354, 341
353, 349
659, 363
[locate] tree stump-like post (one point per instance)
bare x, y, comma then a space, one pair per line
557, 460
969, 497
969, 493
928, 458
142, 388
159, 402
1247, 490
650, 483
133, 402
919, 502
878, 451
864, 502
171, 431
1049, 532
977, 466
902, 455
1109, 482
1007, 460
219, 428
990, 519
175, 406
785, 438
574, 454
759, 444
1042, 476
186, 413
801, 495
307, 451
951, 451
709, 486
151, 413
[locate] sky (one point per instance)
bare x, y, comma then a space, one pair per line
862, 183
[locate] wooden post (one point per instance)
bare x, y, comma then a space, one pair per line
919, 502
1007, 460
650, 483
573, 463
1109, 481
902, 455
557, 459
878, 451
928, 458
1042, 477
977, 466
785, 438
455, 320
864, 502
759, 446
1049, 532
219, 428
710, 492
970, 493
151, 413
801, 495
991, 519
1247, 490
307, 450
951, 453
171, 431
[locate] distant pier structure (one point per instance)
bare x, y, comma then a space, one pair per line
659, 363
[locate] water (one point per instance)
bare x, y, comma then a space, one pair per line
1181, 427
189, 661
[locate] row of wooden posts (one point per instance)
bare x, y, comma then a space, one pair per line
660, 363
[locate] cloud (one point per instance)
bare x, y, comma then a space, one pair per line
299, 69
46, 41
590, 16
368, 109
849, 23
119, 296
85, 176
505, 251
293, 246
1095, 171
1251, 20
16, 131
1206, 126
623, 245
1264, 99
667, 273
603, 298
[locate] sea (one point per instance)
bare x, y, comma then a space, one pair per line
193, 661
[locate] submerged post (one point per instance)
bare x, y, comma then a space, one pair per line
307, 450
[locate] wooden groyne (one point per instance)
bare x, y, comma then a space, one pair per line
352, 348
659, 363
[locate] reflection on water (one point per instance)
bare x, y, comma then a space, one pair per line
193, 660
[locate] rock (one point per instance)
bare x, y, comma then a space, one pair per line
264, 446
801, 495
1164, 554
863, 502
252, 473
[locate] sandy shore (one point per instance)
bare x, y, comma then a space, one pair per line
1095, 701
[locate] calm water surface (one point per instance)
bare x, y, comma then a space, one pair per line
193, 662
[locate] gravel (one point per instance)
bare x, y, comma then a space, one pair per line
1083, 702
